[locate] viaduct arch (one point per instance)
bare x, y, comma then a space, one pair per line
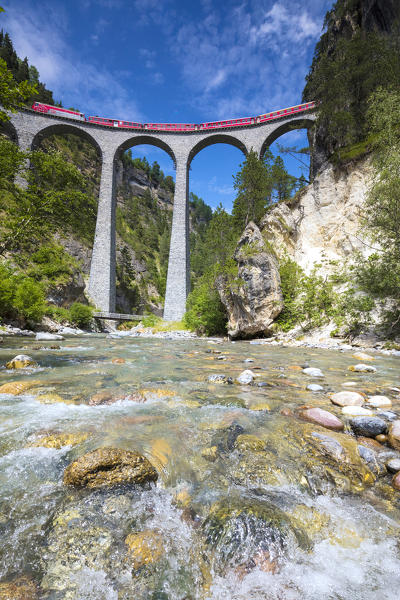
28, 128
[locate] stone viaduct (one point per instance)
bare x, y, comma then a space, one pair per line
28, 128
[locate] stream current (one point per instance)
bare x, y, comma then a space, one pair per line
251, 502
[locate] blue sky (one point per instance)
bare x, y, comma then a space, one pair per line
173, 60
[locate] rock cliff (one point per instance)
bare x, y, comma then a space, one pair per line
322, 224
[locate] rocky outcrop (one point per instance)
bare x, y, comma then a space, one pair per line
322, 225
255, 299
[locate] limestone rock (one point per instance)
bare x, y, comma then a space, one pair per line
313, 372
45, 336
253, 305
246, 377
394, 435
393, 465
379, 401
322, 417
356, 411
347, 399
21, 361
108, 467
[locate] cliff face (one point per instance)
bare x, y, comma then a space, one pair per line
323, 226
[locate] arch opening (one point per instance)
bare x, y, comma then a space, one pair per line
64, 129
145, 199
216, 139
287, 127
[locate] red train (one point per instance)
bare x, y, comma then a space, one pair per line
175, 127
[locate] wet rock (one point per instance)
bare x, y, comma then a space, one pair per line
387, 414
225, 438
379, 401
219, 378
370, 442
393, 465
313, 372
107, 397
210, 454
238, 530
363, 356
382, 438
248, 360
43, 336
18, 387
250, 442
109, 467
118, 361
246, 377
59, 440
396, 481
375, 465
21, 361
361, 368
70, 331
330, 446
347, 399
52, 398
20, 588
322, 417
314, 387
259, 406
368, 426
394, 435
145, 547
356, 411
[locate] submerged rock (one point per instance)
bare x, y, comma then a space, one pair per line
219, 378
252, 305
107, 397
368, 426
322, 417
20, 588
363, 356
314, 387
313, 372
347, 399
225, 439
18, 387
393, 465
21, 361
361, 368
59, 440
144, 548
108, 467
372, 460
379, 401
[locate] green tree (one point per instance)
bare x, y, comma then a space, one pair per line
13, 95
283, 184
252, 185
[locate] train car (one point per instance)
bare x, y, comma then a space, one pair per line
171, 126
103, 121
58, 111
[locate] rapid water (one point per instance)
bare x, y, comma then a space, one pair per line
247, 505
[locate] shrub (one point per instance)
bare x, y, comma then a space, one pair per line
59, 314
205, 312
52, 263
29, 300
81, 314
150, 320
7, 291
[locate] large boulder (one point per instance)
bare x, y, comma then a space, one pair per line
109, 467
252, 305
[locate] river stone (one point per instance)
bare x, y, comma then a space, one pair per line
379, 401
108, 467
370, 458
44, 336
20, 362
347, 399
59, 440
361, 368
313, 372
314, 387
330, 446
396, 481
368, 426
18, 387
394, 434
363, 356
20, 588
393, 465
144, 547
246, 377
225, 439
219, 378
356, 411
322, 417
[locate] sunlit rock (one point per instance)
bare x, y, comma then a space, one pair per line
21, 361
18, 387
347, 399
322, 417
145, 547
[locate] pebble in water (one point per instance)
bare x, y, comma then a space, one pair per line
246, 377
219, 378
361, 368
393, 465
356, 411
396, 481
313, 372
21, 361
368, 426
347, 399
314, 387
322, 417
379, 401
394, 435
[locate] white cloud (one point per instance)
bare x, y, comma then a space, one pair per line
77, 83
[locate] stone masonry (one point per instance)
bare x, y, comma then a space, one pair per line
28, 128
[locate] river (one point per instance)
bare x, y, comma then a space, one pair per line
251, 502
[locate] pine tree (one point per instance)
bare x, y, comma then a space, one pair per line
252, 184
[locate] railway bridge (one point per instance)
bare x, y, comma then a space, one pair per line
28, 128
